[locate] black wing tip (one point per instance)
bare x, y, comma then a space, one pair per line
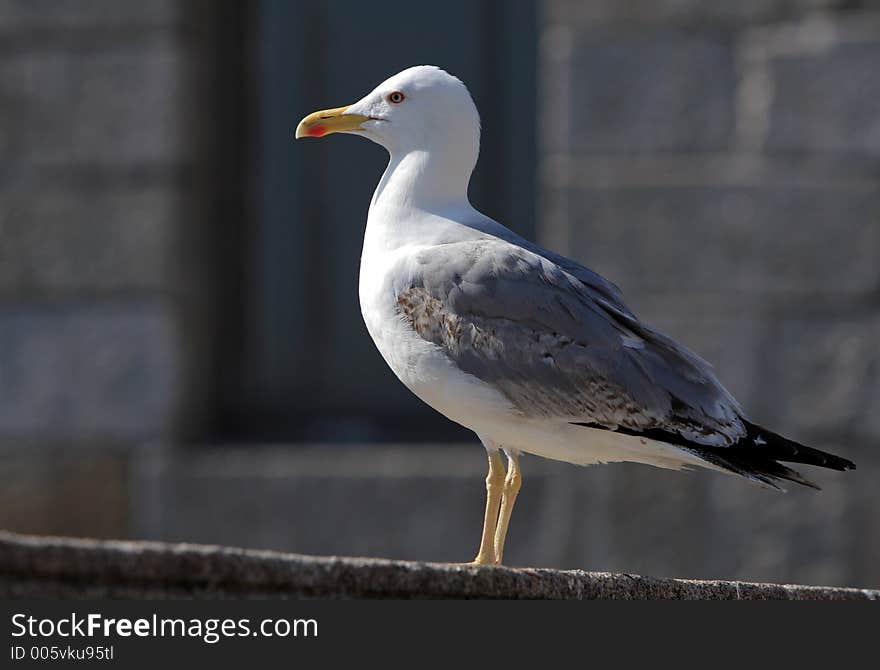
761, 454
755, 468
779, 448
756, 456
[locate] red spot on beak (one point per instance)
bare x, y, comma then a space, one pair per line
317, 131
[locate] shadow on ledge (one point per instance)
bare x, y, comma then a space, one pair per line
55, 567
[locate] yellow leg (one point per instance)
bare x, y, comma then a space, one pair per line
494, 489
512, 484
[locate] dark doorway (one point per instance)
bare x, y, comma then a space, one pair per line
306, 368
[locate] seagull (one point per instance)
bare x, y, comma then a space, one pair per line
532, 351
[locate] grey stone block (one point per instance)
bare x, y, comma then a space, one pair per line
805, 534
826, 100
709, 525
52, 489
826, 374
65, 568
79, 374
35, 14
699, 12
783, 240
355, 506
126, 105
65, 241
636, 92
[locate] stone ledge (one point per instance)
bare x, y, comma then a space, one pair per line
56, 567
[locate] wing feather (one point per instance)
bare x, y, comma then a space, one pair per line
558, 347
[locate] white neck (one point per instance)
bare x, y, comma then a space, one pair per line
416, 183
426, 179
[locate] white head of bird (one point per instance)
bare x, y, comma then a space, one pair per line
427, 121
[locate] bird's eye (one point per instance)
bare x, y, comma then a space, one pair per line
395, 97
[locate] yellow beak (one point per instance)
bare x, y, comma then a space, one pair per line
326, 121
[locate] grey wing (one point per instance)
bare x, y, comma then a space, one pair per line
558, 348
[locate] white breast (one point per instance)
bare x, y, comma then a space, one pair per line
421, 365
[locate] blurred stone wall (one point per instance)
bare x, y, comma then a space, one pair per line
105, 131
107, 168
